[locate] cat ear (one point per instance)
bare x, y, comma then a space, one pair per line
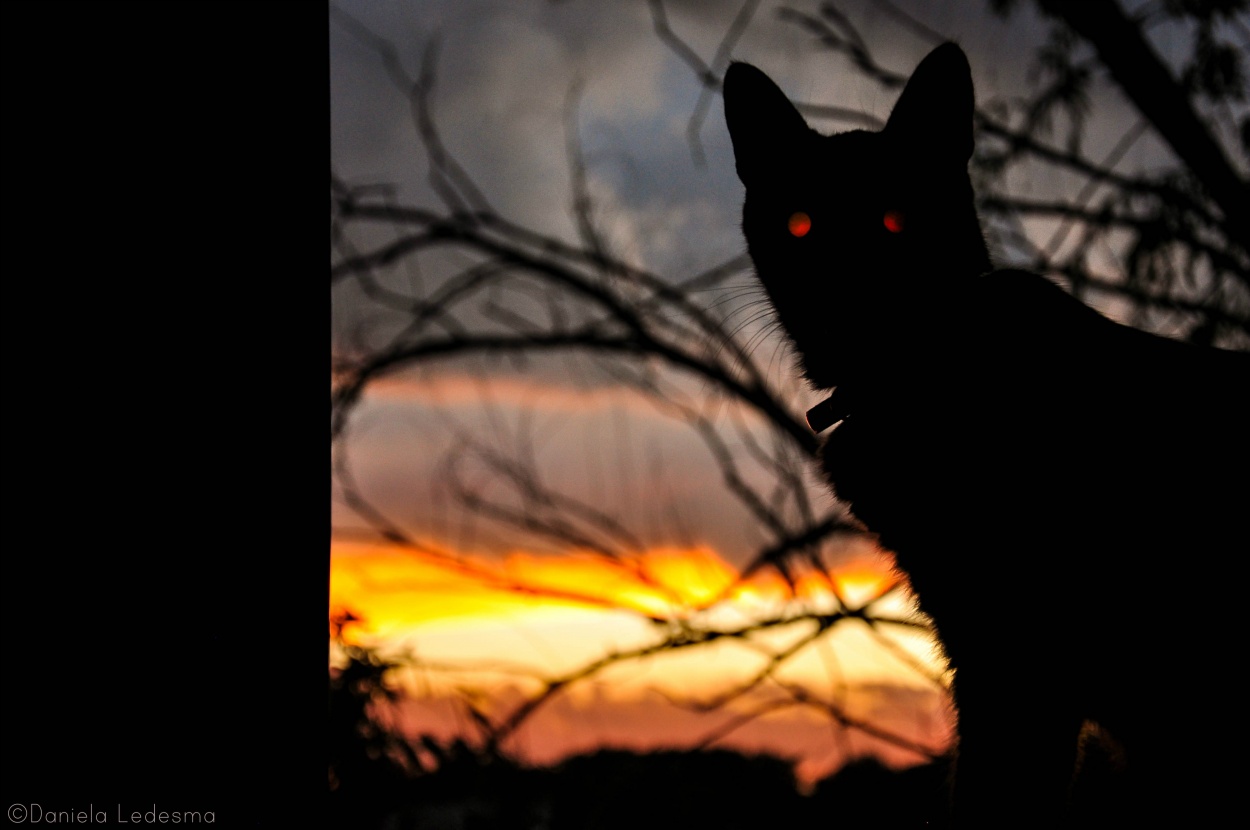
934, 113
763, 124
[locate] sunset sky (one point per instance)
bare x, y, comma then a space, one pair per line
505, 71
459, 630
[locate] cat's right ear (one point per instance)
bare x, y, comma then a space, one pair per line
763, 125
934, 113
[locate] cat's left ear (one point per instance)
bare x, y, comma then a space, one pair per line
934, 113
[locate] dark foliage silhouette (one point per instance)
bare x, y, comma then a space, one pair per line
865, 793
378, 779
993, 427
369, 765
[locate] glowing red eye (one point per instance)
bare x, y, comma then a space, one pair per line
800, 224
893, 221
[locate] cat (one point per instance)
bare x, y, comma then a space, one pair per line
1067, 495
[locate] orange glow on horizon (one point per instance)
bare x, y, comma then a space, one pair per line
393, 588
496, 624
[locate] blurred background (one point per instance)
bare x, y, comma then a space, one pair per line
581, 560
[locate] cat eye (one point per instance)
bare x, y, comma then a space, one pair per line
893, 221
800, 223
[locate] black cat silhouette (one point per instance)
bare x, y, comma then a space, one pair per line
1067, 495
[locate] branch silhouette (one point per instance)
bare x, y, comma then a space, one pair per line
516, 292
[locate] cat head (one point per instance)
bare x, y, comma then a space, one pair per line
857, 234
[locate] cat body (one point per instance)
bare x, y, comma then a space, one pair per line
1068, 496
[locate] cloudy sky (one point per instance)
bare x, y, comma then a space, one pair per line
505, 71
505, 76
